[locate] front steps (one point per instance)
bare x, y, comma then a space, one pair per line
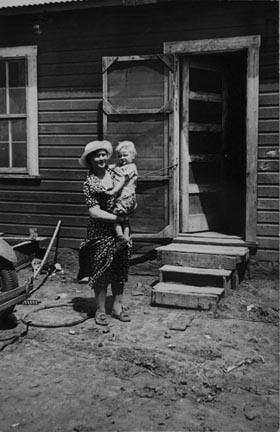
200, 277
197, 275
186, 296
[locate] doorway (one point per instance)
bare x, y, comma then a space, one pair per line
212, 178
233, 177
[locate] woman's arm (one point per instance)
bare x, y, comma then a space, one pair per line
96, 213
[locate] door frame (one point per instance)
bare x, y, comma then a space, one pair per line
251, 45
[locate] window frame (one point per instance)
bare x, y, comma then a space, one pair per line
32, 166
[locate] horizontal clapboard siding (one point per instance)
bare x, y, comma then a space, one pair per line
70, 93
268, 166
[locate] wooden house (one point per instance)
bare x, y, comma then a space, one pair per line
194, 84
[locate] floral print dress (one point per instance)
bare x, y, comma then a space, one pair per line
98, 257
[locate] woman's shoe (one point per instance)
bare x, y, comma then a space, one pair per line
101, 319
122, 316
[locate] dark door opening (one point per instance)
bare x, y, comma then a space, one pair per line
235, 161
213, 143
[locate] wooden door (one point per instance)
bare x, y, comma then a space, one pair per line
138, 106
202, 144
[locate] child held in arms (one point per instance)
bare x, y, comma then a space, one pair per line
124, 189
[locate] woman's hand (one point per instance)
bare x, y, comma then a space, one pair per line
110, 192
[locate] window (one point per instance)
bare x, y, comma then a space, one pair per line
18, 111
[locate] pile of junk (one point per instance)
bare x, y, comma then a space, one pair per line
13, 258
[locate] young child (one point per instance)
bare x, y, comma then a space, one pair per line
124, 189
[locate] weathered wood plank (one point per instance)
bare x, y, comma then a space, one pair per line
268, 243
83, 94
268, 166
193, 270
72, 163
44, 219
78, 68
269, 86
68, 116
204, 127
268, 99
41, 196
268, 113
72, 232
65, 139
252, 80
75, 151
268, 178
205, 249
211, 45
268, 255
184, 148
268, 138
268, 217
145, 190
47, 208
69, 104
184, 296
140, 224
68, 128
268, 230
69, 81
206, 97
268, 191
268, 126
199, 260
268, 153
268, 204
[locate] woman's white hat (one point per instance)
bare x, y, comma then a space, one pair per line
92, 147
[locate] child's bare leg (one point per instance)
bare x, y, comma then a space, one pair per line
119, 230
126, 231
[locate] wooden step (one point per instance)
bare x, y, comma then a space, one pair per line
191, 259
242, 252
197, 276
185, 296
217, 241
205, 256
210, 234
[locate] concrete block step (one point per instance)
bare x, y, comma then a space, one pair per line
196, 276
185, 296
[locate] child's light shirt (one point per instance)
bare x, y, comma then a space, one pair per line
126, 201
129, 171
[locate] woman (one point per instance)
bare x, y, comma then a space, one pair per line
100, 259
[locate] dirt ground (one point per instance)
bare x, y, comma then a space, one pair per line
141, 376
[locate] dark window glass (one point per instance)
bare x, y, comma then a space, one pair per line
4, 154
19, 154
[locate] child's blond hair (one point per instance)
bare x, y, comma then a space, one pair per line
127, 145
